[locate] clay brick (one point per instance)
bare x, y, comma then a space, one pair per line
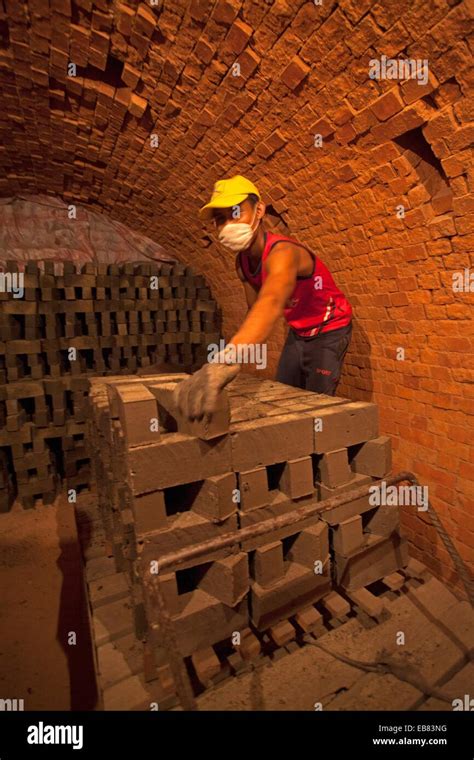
271, 440
217, 425
238, 37
253, 485
206, 664
394, 581
129, 694
297, 478
138, 414
160, 465
111, 621
387, 105
205, 621
282, 633
309, 619
122, 99
248, 62
137, 105
322, 127
227, 579
170, 419
347, 536
276, 140
215, 499
267, 563
399, 124
352, 508
417, 569
61, 6
310, 545
250, 646
412, 90
149, 512
336, 605
383, 520
294, 73
204, 51
169, 591
334, 468
124, 18
298, 588
443, 201
370, 604
130, 75
373, 458
108, 589
204, 429
346, 134
99, 567
199, 9
225, 11
118, 660
145, 20
344, 426
380, 556
99, 43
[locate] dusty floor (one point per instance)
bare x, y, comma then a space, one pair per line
436, 658
41, 603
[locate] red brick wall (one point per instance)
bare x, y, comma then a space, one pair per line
304, 70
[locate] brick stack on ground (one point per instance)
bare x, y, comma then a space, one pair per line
163, 487
119, 320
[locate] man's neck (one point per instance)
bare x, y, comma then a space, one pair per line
256, 249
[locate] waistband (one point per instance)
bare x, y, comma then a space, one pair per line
327, 329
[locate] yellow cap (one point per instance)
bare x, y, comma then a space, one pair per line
227, 193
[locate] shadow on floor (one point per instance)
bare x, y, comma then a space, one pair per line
73, 621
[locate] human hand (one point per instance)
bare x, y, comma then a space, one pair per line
198, 396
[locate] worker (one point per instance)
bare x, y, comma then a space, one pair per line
280, 277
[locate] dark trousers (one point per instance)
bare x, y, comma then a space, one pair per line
314, 364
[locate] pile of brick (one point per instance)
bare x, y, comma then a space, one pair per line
165, 484
69, 324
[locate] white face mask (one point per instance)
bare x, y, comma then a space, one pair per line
237, 235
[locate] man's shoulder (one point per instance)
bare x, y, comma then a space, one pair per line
278, 238
287, 244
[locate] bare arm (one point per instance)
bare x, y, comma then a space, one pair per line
198, 396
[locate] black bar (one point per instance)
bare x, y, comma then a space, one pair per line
115, 735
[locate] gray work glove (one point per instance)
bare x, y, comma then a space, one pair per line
196, 398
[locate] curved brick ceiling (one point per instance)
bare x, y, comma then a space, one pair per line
166, 69
386, 199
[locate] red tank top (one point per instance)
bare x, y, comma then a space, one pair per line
316, 304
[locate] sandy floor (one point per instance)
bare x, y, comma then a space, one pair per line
41, 603
433, 666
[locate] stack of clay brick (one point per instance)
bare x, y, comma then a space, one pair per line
166, 484
42, 436
71, 323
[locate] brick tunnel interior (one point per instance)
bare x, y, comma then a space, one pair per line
355, 122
